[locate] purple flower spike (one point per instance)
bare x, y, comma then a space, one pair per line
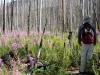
0, 62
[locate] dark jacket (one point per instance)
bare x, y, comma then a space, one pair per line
93, 27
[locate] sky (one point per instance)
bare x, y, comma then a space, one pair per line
5, 0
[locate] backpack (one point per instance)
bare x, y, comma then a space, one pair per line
87, 34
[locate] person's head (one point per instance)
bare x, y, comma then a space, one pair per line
87, 19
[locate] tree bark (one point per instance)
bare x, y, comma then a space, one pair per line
12, 14
4, 17
28, 32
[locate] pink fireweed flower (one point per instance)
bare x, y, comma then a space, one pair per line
31, 60
21, 46
15, 70
0, 62
14, 46
23, 34
4, 39
48, 33
15, 33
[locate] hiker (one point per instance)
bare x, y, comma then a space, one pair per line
86, 40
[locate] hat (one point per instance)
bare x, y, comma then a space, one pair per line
87, 18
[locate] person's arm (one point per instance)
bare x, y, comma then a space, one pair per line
79, 36
95, 38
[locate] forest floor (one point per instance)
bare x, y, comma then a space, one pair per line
73, 70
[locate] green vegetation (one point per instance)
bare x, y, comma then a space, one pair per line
54, 53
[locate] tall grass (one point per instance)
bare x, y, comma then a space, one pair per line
53, 52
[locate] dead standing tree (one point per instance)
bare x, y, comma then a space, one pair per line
8, 17
63, 26
4, 17
37, 17
70, 28
12, 14
98, 14
28, 27
94, 12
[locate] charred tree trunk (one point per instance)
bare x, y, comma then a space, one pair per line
81, 8
28, 32
98, 14
4, 17
12, 14
8, 19
17, 14
63, 26
71, 23
37, 17
94, 12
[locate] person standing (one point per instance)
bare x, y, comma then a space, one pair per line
87, 41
